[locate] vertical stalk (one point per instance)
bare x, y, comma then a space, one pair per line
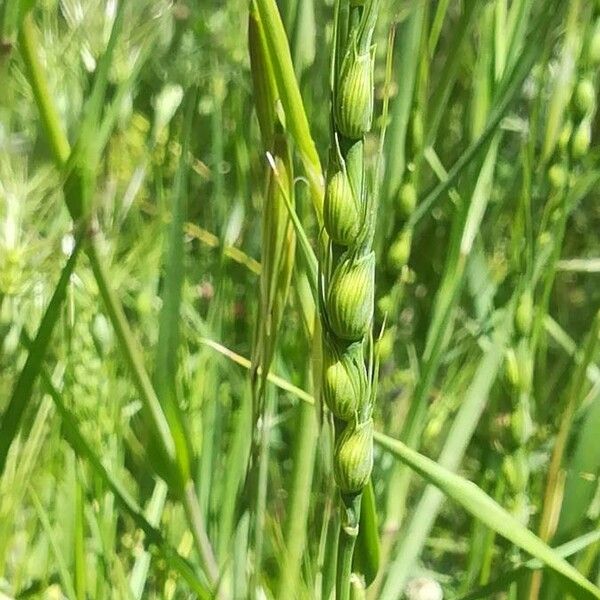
350, 512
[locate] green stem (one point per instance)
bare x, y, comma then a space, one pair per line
29, 44
350, 512
196, 522
295, 530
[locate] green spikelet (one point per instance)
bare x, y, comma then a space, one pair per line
353, 460
345, 383
524, 314
399, 252
341, 211
350, 299
354, 102
581, 139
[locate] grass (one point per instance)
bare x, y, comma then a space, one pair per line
165, 277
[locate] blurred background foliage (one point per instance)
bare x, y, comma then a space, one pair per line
455, 53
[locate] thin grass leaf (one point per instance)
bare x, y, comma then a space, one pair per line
63, 570
489, 512
82, 448
289, 94
503, 582
22, 392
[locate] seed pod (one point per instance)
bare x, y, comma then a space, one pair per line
345, 382
353, 460
585, 97
581, 139
354, 102
341, 212
407, 200
399, 252
524, 314
351, 297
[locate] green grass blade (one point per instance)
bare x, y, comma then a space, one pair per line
174, 269
461, 432
154, 536
489, 512
503, 582
61, 562
21, 394
289, 94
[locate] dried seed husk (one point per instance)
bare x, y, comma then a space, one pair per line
341, 210
354, 101
350, 298
353, 459
345, 382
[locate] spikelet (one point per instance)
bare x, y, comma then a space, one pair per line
350, 298
524, 313
354, 102
345, 383
353, 460
581, 139
341, 210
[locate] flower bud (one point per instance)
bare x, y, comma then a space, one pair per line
345, 383
353, 459
354, 102
399, 252
407, 199
581, 139
585, 97
524, 314
351, 297
341, 212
